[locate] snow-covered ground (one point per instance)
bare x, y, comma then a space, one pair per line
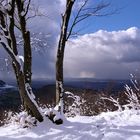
106, 126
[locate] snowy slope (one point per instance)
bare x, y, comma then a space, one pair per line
107, 126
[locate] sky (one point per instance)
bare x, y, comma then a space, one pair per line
127, 16
106, 47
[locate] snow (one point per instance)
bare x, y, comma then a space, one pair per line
22, 13
74, 109
21, 58
57, 117
9, 50
8, 6
51, 111
124, 125
21, 119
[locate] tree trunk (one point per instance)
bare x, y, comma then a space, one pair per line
25, 77
59, 75
60, 55
28, 104
27, 57
27, 42
59, 82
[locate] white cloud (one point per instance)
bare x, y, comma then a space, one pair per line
63, 3
106, 54
86, 74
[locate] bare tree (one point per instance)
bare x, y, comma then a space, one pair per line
13, 14
67, 30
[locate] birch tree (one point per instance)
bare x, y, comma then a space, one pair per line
13, 14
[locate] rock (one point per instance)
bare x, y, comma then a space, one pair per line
58, 122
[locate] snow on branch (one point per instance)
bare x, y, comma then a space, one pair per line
21, 58
114, 101
5, 63
15, 58
76, 107
132, 97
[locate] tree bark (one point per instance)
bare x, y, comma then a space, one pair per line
27, 42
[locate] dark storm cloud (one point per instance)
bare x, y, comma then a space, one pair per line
50, 22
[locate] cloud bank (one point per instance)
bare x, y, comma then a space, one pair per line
103, 54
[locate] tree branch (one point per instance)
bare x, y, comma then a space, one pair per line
27, 9
75, 19
84, 13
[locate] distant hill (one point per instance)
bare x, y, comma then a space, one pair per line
2, 83
45, 91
